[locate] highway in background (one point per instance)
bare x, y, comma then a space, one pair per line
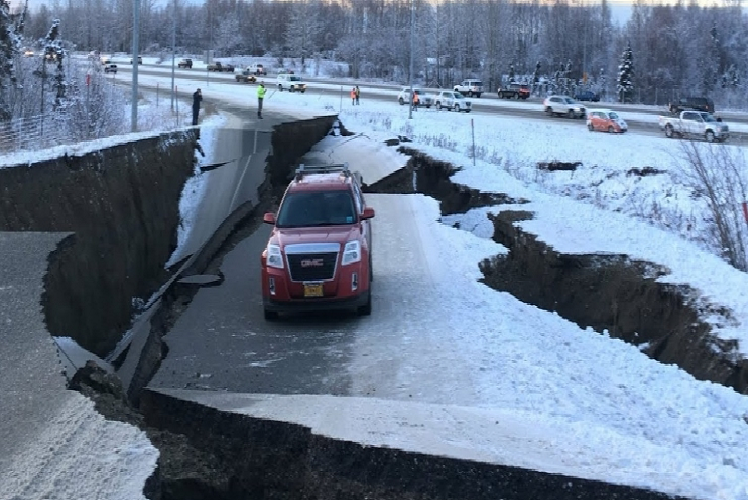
637, 116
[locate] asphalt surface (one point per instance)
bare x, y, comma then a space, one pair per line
222, 341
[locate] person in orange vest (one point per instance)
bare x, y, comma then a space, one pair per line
416, 101
353, 96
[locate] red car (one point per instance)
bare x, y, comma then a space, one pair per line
318, 255
605, 120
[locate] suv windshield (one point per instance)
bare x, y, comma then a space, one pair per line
321, 208
295, 79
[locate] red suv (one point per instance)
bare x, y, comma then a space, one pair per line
319, 253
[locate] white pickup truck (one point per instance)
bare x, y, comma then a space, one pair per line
695, 124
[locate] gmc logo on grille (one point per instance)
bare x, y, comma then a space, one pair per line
312, 263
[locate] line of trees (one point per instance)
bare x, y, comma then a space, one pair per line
681, 49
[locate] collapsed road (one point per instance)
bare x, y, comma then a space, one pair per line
208, 354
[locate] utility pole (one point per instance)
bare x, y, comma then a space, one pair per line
173, 51
438, 56
135, 40
412, 48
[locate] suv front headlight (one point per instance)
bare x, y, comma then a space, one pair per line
274, 256
352, 252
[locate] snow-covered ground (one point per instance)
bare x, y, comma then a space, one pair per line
613, 412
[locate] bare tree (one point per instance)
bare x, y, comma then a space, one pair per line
719, 175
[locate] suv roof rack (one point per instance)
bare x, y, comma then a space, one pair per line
322, 169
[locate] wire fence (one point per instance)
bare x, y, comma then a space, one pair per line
39, 132
33, 133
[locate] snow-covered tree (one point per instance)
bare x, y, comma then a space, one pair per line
626, 74
227, 37
304, 30
54, 53
9, 47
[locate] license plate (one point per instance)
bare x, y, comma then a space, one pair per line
313, 290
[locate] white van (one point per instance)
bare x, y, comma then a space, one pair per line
292, 83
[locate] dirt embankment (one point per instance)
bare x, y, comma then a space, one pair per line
617, 294
122, 204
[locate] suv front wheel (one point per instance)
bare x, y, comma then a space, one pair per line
365, 310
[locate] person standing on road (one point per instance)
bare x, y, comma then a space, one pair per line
353, 96
358, 94
197, 98
416, 101
260, 96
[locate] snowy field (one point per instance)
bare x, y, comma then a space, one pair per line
616, 414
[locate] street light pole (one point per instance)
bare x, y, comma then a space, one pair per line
135, 41
173, 51
412, 47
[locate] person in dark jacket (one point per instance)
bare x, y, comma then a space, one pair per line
197, 98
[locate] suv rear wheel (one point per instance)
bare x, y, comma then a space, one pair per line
270, 315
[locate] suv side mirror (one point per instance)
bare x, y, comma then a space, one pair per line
368, 213
269, 218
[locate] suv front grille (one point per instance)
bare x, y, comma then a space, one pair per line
312, 266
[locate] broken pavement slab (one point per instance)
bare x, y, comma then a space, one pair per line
53, 441
356, 447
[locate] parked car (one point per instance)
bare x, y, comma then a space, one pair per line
470, 88
693, 123
586, 95
185, 63
424, 99
246, 76
698, 103
563, 105
514, 90
453, 101
140, 60
318, 255
290, 82
605, 120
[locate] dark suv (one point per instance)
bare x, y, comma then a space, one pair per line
697, 103
514, 91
